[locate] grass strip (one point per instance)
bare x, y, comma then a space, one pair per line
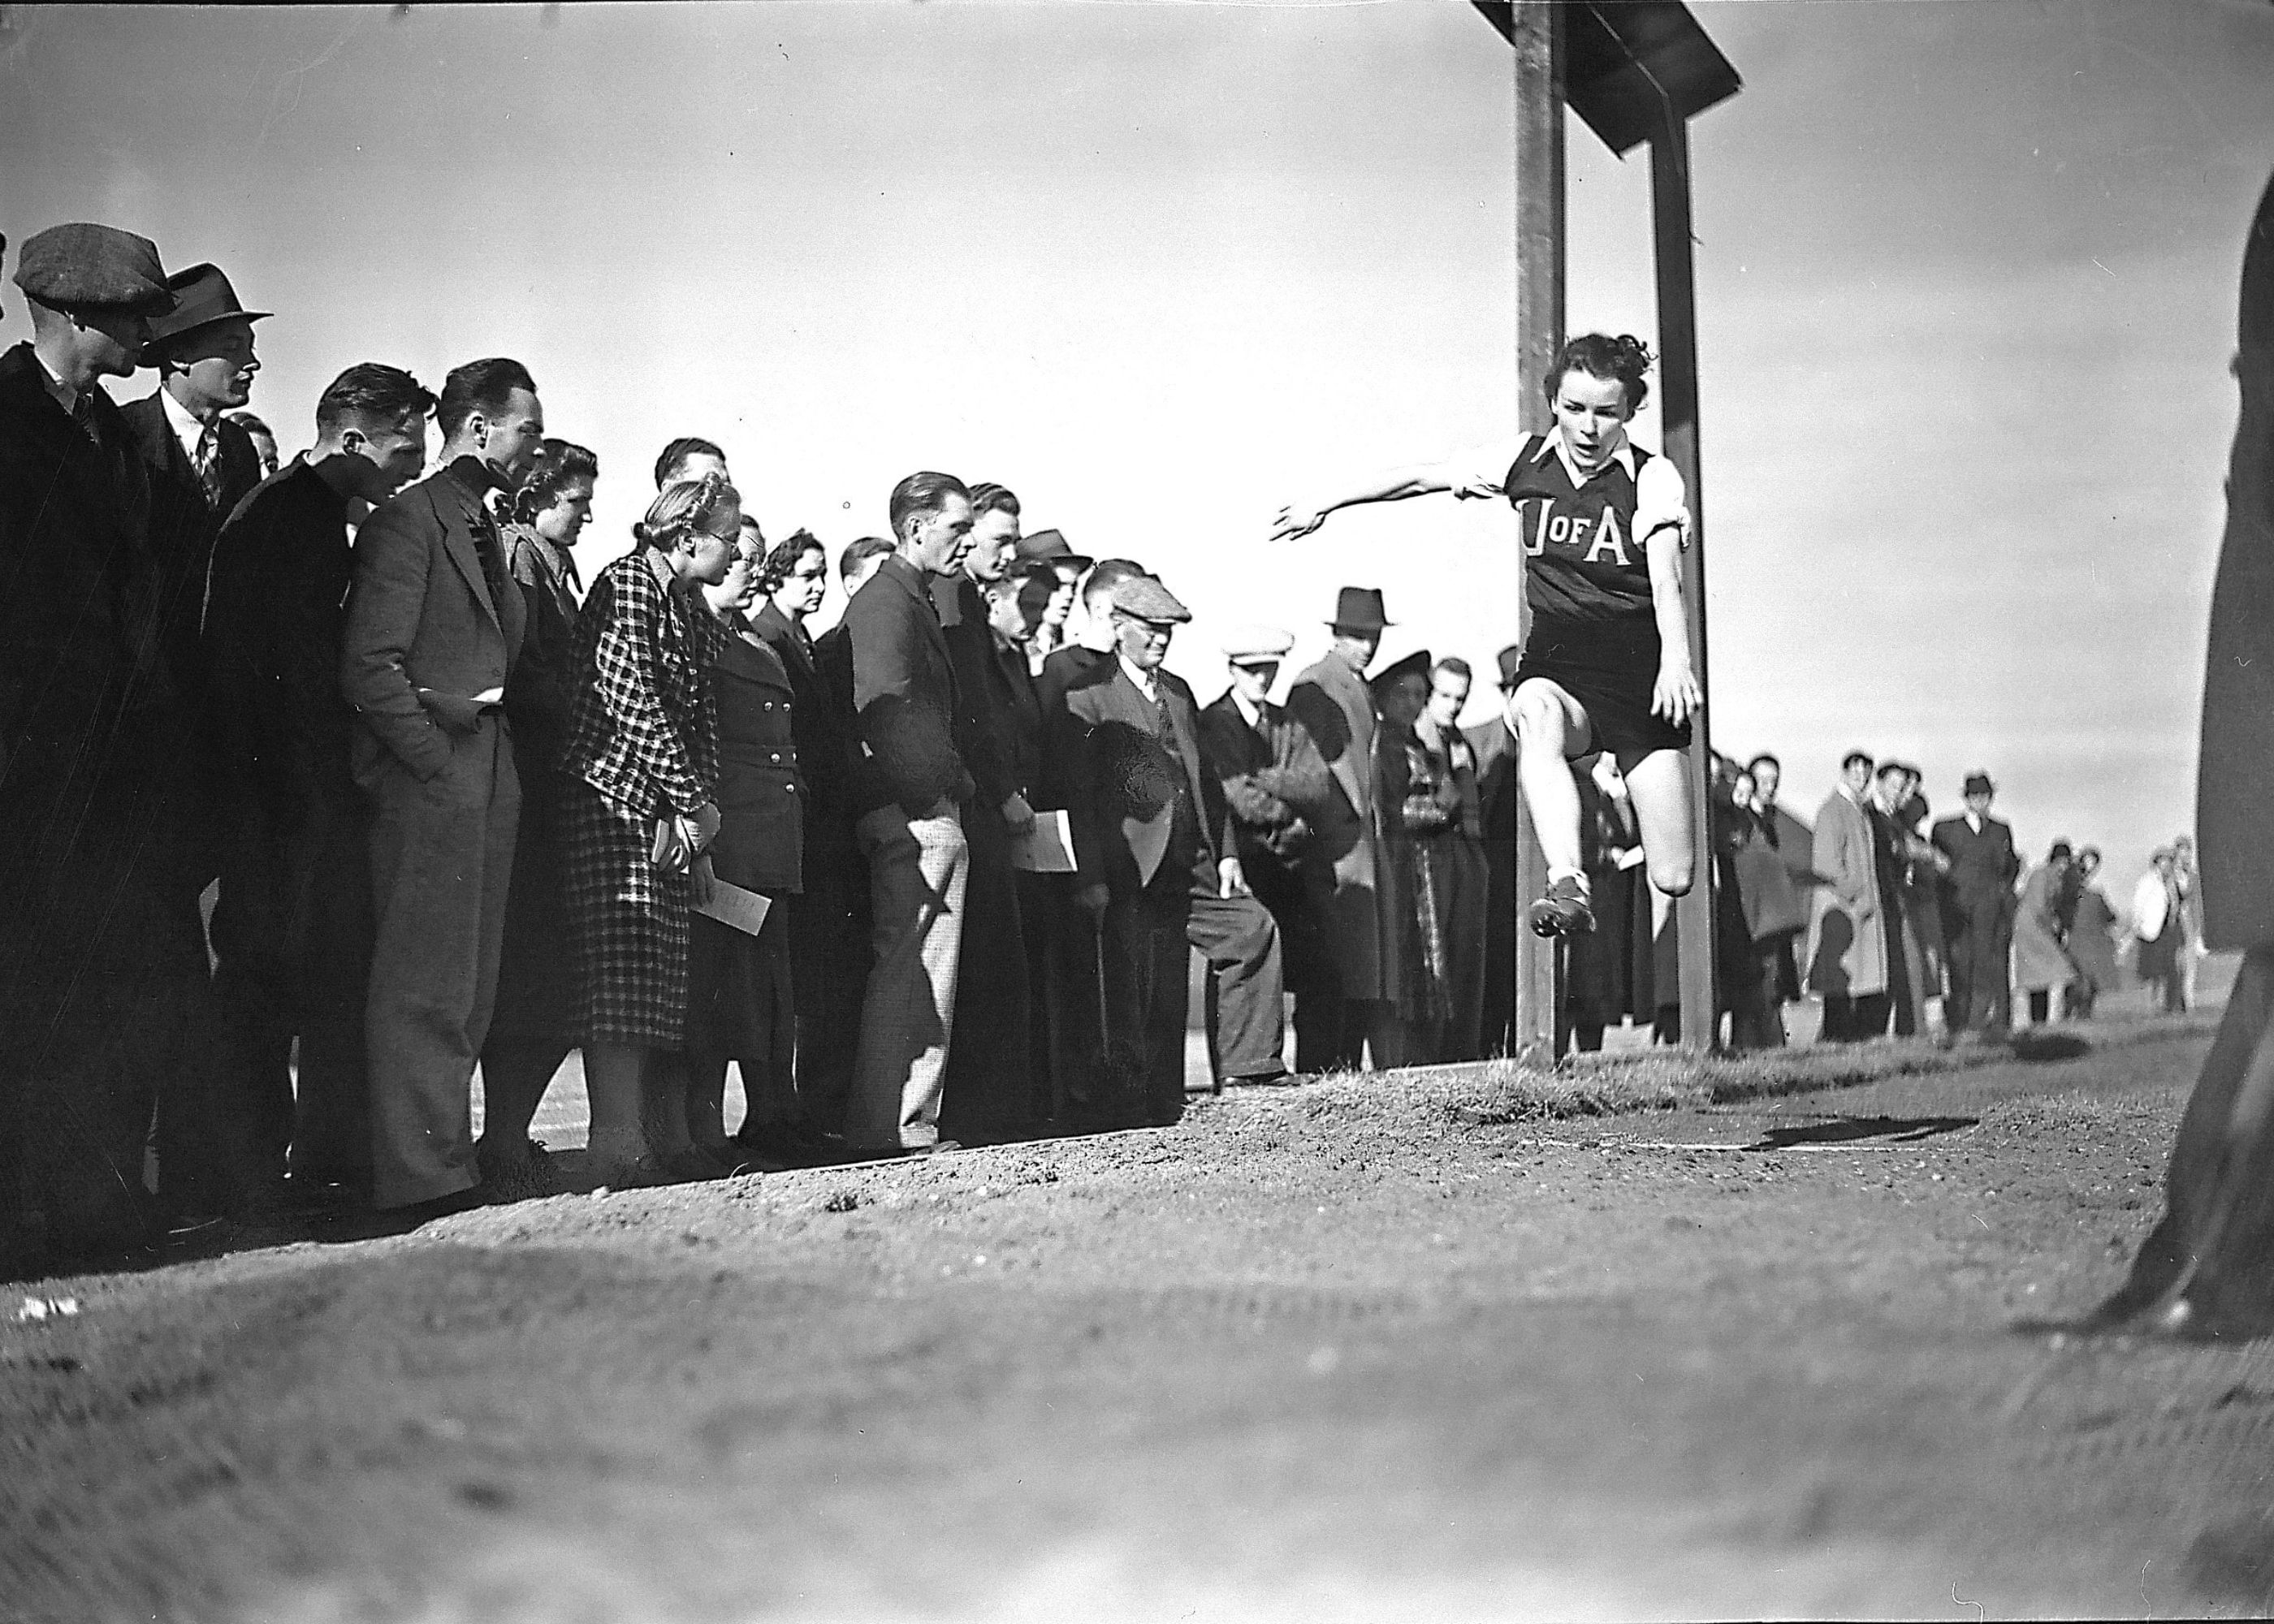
1500, 1092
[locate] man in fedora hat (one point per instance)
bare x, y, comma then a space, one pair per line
103, 966
1350, 1005
199, 466
1049, 549
1149, 830
985, 1093
1979, 909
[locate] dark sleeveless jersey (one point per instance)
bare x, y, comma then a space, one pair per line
1584, 564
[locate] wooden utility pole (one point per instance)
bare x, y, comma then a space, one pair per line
1677, 372
1538, 36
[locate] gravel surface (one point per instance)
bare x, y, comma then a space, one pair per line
1323, 1352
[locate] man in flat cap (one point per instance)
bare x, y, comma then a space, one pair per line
292, 929
986, 1094
1978, 910
434, 623
1274, 783
1150, 829
1350, 1005
103, 966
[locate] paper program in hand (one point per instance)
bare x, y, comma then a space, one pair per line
1046, 849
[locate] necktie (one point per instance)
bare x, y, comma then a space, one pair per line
492, 556
209, 465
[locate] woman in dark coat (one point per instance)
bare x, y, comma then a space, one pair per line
530, 1033
829, 916
1769, 916
643, 766
740, 1005
1425, 807
2092, 938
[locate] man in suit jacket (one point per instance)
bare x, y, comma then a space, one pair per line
987, 1085
1352, 1006
1849, 963
1069, 987
1497, 790
1979, 909
1148, 830
292, 928
199, 466
434, 622
102, 967
904, 692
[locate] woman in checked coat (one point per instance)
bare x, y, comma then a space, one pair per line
642, 766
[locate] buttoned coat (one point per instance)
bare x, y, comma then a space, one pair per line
424, 636
1848, 955
1982, 867
904, 689
761, 843
1333, 704
1125, 782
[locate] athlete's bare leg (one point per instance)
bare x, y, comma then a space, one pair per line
1660, 787
1552, 731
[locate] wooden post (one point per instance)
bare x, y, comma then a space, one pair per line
1537, 34
1677, 365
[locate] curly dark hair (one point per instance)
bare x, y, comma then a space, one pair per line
1626, 359
782, 557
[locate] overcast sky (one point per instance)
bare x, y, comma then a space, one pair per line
1966, 284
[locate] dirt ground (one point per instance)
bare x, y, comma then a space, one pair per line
1322, 1352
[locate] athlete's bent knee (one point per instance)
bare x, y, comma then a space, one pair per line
1673, 878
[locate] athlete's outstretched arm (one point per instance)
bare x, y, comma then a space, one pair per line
1675, 694
1390, 484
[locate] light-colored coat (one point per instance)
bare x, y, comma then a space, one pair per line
1849, 951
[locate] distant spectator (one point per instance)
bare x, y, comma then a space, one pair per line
690, 458
2042, 967
2157, 928
1850, 966
2092, 938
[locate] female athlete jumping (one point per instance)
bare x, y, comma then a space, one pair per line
1606, 661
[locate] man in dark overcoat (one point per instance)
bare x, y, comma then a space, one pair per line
434, 623
1977, 911
1497, 795
987, 1088
102, 965
1149, 826
1351, 1007
292, 928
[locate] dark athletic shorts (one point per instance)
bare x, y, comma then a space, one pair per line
1609, 668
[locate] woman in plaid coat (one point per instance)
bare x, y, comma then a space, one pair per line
643, 771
